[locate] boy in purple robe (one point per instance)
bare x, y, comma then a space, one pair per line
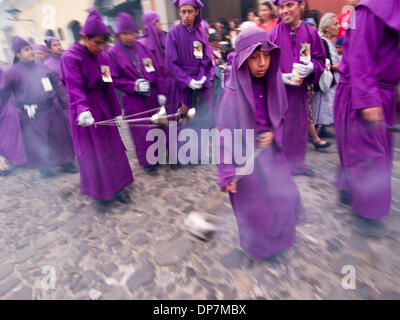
104, 166
136, 73
53, 62
266, 202
365, 104
41, 53
11, 142
35, 93
189, 61
302, 48
155, 39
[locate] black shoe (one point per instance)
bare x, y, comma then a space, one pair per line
69, 168
344, 197
151, 170
370, 227
123, 197
177, 166
323, 133
46, 173
319, 145
101, 205
307, 173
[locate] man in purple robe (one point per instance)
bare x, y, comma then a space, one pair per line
35, 93
302, 63
136, 73
11, 142
189, 61
255, 99
104, 166
365, 104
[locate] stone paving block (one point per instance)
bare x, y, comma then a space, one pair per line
7, 286
6, 270
141, 277
173, 251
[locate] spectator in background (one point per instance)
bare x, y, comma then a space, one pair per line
268, 16
233, 32
251, 16
323, 101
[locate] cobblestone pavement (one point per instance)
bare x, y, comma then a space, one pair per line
142, 251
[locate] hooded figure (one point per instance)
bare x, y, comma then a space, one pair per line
190, 63
369, 74
265, 213
132, 67
156, 41
104, 166
53, 62
301, 46
11, 142
36, 95
41, 53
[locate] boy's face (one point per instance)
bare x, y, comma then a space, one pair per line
258, 63
127, 38
27, 54
56, 48
95, 45
188, 15
290, 11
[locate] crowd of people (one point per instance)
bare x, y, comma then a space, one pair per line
283, 75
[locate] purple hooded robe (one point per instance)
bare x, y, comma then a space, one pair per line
267, 201
11, 142
296, 119
102, 160
46, 137
370, 71
124, 75
183, 67
156, 43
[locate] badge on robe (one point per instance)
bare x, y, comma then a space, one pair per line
305, 53
47, 87
106, 74
148, 65
198, 49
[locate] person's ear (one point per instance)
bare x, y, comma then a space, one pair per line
18, 55
197, 12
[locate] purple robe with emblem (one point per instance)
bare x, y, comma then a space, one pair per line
125, 74
11, 142
100, 152
156, 43
265, 213
296, 118
46, 137
370, 71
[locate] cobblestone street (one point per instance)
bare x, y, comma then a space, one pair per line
142, 251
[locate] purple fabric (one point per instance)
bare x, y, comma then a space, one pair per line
94, 25
46, 137
279, 2
50, 40
156, 43
388, 11
370, 71
265, 215
124, 75
125, 23
18, 43
194, 3
296, 119
100, 152
41, 47
11, 142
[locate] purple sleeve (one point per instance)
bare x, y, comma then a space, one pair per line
112, 101
226, 120
72, 78
362, 60
6, 88
181, 78
121, 83
318, 57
